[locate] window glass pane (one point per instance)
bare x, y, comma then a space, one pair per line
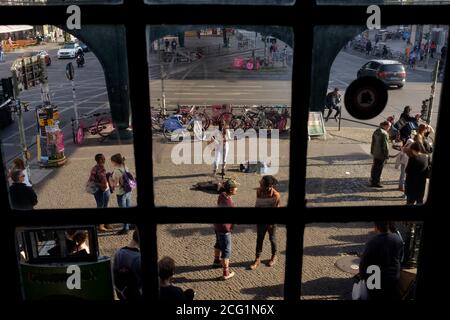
106, 261
52, 139
238, 77
345, 163
55, 2
192, 249
227, 2
369, 2
334, 252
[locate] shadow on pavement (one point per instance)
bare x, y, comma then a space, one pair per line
355, 198
263, 293
209, 230
332, 250
339, 288
339, 158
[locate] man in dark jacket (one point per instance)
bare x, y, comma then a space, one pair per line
332, 103
384, 250
380, 152
22, 196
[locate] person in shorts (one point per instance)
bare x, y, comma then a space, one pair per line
222, 249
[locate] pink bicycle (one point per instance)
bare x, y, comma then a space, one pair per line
102, 126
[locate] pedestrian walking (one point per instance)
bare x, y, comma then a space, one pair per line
167, 44
174, 45
412, 60
19, 164
118, 181
2, 58
222, 249
167, 291
380, 152
368, 47
99, 177
22, 197
432, 49
127, 272
385, 250
417, 171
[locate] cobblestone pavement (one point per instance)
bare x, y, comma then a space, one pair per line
339, 170
191, 245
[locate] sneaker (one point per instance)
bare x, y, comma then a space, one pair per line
228, 276
272, 261
255, 264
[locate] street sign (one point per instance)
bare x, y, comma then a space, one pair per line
70, 71
316, 126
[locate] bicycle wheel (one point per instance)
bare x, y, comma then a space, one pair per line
104, 127
237, 123
227, 117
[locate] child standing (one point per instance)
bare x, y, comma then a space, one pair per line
222, 248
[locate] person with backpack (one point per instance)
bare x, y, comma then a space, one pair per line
127, 270
123, 184
103, 193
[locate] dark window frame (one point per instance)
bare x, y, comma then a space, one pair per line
302, 17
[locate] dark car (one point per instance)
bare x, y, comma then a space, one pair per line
391, 72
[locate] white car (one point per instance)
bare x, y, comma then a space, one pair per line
69, 50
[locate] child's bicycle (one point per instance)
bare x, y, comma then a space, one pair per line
102, 126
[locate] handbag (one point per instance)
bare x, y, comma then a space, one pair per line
91, 187
359, 291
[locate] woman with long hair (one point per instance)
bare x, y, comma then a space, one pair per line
123, 197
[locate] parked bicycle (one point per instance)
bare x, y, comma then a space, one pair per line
188, 113
279, 116
173, 127
102, 126
251, 120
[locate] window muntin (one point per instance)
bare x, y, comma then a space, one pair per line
380, 2
69, 147
201, 71
55, 2
224, 2
339, 168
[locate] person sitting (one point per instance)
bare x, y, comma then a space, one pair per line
332, 103
167, 291
80, 240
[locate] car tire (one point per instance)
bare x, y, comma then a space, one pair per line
400, 86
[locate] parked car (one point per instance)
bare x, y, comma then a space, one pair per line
69, 50
391, 72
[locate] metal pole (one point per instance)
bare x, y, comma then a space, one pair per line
433, 87
22, 137
163, 95
75, 105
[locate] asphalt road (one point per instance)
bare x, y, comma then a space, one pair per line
90, 89
201, 82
